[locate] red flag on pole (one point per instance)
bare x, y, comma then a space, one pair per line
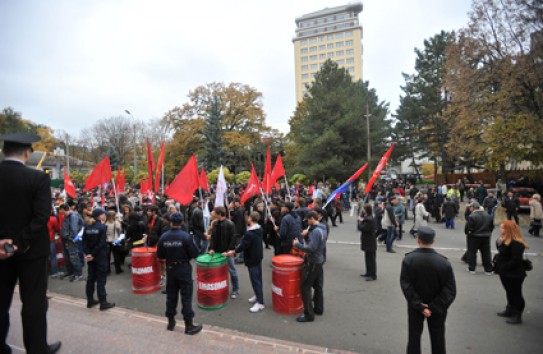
382, 164
69, 185
101, 174
150, 163
253, 186
159, 165
203, 182
144, 186
122, 181
267, 183
187, 181
278, 170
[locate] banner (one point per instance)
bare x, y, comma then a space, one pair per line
382, 164
278, 170
267, 184
253, 186
221, 189
69, 185
100, 175
345, 186
183, 186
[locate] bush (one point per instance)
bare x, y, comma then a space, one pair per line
243, 177
300, 178
214, 175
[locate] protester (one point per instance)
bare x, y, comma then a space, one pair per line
490, 203
478, 230
536, 215
96, 255
421, 214
509, 265
449, 211
251, 246
368, 242
391, 222
24, 243
71, 226
54, 228
312, 277
114, 230
155, 226
136, 231
512, 206
198, 227
428, 284
290, 229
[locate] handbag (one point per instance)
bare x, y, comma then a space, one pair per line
495, 264
527, 264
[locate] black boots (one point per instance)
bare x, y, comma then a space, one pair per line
106, 305
191, 329
516, 318
506, 313
171, 323
91, 303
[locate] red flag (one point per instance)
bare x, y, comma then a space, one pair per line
278, 170
253, 186
203, 182
101, 174
187, 181
267, 183
150, 163
69, 185
144, 186
382, 164
122, 181
118, 179
159, 167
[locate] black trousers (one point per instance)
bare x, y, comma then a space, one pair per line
371, 263
118, 258
512, 214
179, 281
513, 291
32, 276
312, 278
436, 327
97, 274
479, 244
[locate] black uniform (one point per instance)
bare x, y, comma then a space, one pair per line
23, 218
178, 248
427, 278
95, 244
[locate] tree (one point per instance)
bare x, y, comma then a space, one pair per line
495, 75
13, 122
328, 129
214, 148
422, 129
114, 158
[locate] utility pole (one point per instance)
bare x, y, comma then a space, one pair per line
368, 115
135, 144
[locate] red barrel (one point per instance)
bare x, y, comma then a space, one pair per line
145, 270
286, 281
213, 288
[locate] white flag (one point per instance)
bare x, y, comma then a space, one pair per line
221, 189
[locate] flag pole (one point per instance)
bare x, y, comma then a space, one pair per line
288, 188
116, 196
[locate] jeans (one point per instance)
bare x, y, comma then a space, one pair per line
80, 253
255, 274
53, 257
71, 257
449, 223
391, 236
233, 274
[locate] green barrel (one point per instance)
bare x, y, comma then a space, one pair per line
212, 281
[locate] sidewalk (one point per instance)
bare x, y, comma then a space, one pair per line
119, 330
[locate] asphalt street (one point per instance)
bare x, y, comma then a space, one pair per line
370, 317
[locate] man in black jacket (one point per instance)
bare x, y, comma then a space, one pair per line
512, 205
223, 239
428, 284
155, 226
478, 230
23, 226
198, 227
238, 217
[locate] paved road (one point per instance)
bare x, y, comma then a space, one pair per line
370, 317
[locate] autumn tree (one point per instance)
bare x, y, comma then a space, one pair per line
213, 156
328, 129
495, 75
13, 122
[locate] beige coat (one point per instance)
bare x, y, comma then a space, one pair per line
536, 210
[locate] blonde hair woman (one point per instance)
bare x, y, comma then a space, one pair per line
509, 266
114, 231
536, 215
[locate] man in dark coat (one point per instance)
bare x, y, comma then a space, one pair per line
155, 226
449, 210
478, 229
24, 243
368, 242
512, 205
428, 284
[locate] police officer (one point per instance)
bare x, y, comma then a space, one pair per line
24, 243
95, 249
428, 284
177, 248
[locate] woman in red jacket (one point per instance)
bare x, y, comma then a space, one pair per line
54, 228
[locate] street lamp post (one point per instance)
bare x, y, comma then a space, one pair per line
135, 157
64, 138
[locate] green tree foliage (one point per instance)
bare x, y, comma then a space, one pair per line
114, 158
421, 128
300, 178
243, 177
495, 74
214, 154
214, 175
328, 130
13, 122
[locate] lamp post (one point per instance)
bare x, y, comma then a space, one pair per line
135, 157
65, 138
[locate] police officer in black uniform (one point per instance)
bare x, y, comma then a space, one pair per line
177, 247
428, 284
24, 243
95, 249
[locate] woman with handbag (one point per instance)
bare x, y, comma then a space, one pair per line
536, 215
510, 266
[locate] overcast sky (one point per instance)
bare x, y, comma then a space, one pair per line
68, 63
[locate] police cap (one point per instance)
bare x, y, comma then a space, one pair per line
176, 218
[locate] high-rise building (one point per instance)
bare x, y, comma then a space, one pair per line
333, 33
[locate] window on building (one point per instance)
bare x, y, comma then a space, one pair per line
340, 62
322, 47
313, 49
305, 76
330, 37
349, 34
339, 35
330, 55
313, 75
305, 68
304, 59
303, 51
339, 44
313, 57
313, 40
350, 51
303, 42
321, 39
314, 66
322, 56
351, 69
349, 42
340, 53
330, 46
350, 60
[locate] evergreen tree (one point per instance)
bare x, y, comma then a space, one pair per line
213, 155
328, 130
114, 158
